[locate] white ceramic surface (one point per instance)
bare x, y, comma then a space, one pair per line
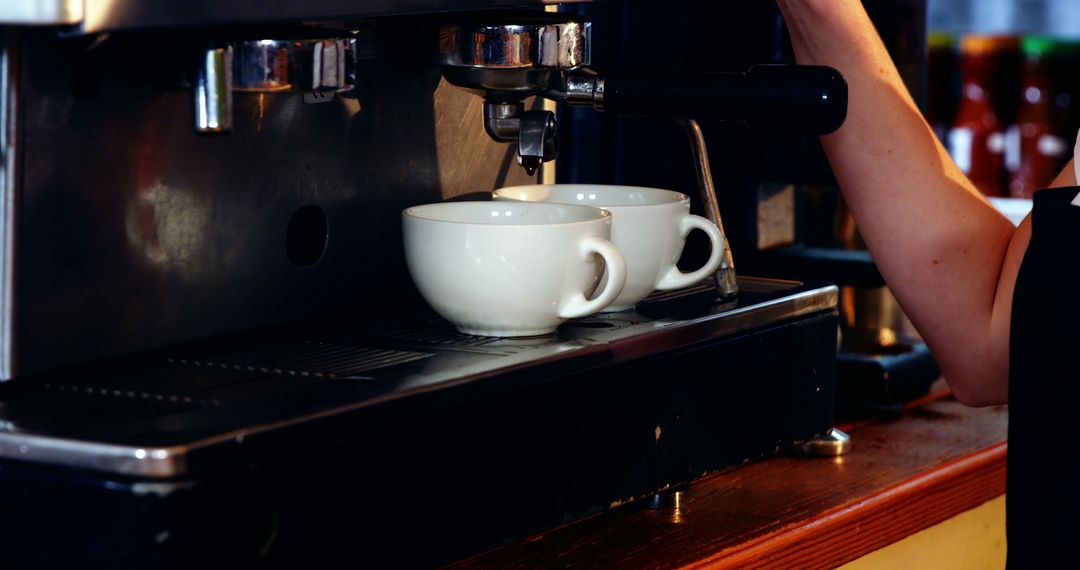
511, 268
649, 227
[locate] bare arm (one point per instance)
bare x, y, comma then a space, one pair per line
949, 256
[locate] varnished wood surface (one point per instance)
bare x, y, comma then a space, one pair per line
940, 459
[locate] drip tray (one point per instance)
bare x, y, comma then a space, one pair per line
304, 359
165, 414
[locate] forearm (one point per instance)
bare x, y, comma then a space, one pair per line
940, 246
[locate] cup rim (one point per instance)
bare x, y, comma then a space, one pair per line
598, 214
679, 196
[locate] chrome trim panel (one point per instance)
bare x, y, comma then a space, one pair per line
540, 45
119, 459
111, 15
41, 12
8, 152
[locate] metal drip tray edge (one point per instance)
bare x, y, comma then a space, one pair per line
659, 335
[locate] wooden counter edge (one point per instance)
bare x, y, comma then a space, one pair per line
850, 531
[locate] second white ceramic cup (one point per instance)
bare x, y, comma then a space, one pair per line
511, 268
649, 227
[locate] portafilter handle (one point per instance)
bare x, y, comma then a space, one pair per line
796, 98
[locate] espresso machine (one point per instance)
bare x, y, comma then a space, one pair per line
211, 347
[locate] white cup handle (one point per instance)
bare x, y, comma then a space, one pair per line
675, 279
577, 305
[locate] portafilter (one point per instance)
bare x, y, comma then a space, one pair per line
506, 59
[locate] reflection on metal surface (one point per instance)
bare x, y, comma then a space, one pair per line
526, 45
8, 192
502, 120
162, 462
678, 510
536, 139
213, 91
833, 443
315, 65
726, 284
311, 66
167, 226
547, 170
105, 15
874, 315
672, 501
534, 131
508, 62
579, 89
41, 12
221, 396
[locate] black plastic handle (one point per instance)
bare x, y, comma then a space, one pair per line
795, 98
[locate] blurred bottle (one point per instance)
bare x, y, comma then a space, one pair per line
977, 136
1066, 89
1035, 150
943, 84
1008, 70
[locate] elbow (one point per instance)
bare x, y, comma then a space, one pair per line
968, 397
978, 394
976, 379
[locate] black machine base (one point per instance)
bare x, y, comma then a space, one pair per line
882, 381
412, 476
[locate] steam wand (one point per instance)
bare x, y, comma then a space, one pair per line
726, 285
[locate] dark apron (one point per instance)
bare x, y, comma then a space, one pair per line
1043, 485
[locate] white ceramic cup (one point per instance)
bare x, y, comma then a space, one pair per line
649, 226
511, 268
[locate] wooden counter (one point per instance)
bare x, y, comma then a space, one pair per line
905, 475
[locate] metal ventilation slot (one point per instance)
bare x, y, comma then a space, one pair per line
130, 394
305, 359
441, 334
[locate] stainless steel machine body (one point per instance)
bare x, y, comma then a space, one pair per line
94, 16
125, 228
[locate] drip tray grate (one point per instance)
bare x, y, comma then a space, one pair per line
439, 333
131, 394
314, 359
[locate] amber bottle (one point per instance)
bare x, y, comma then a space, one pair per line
977, 136
1035, 150
942, 85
